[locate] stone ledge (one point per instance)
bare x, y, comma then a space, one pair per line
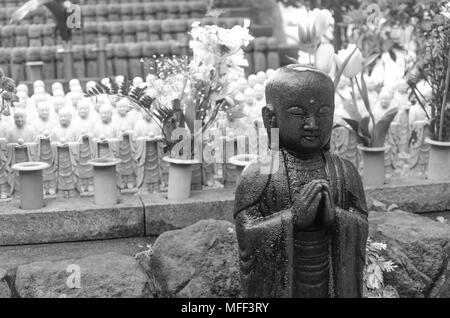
412, 195
81, 220
75, 219
161, 216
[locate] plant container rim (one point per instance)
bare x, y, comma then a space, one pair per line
436, 143
104, 162
239, 160
30, 166
373, 149
181, 161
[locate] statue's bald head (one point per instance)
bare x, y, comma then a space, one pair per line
298, 80
300, 102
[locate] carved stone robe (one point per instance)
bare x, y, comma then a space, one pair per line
265, 230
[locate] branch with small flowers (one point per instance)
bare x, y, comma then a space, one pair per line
180, 91
375, 265
8, 93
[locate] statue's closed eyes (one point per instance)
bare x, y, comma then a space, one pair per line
302, 229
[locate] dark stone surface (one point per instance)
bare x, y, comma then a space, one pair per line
13, 256
200, 260
5, 292
421, 249
106, 275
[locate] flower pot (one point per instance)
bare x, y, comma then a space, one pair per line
105, 180
373, 165
241, 162
439, 161
31, 184
180, 176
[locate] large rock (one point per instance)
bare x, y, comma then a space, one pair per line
5, 292
200, 260
421, 249
107, 275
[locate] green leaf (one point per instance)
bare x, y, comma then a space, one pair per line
365, 94
364, 125
351, 108
382, 127
295, 61
371, 59
125, 88
356, 128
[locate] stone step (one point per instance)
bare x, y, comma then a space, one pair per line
13, 256
150, 215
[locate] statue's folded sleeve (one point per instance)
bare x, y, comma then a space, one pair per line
265, 251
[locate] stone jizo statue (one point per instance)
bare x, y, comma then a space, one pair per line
302, 228
105, 127
65, 130
21, 128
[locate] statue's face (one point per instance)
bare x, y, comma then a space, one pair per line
303, 104
19, 120
44, 112
83, 111
385, 101
65, 119
122, 109
106, 116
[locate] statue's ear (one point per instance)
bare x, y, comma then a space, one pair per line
270, 121
268, 116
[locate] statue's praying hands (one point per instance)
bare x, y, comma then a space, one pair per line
312, 207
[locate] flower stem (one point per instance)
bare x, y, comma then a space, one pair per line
444, 101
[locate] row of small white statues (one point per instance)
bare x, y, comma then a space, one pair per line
68, 116
68, 130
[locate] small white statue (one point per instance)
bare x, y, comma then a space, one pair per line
43, 123
106, 127
67, 172
146, 126
122, 120
148, 175
83, 121
384, 103
21, 129
126, 168
57, 86
65, 130
87, 151
47, 153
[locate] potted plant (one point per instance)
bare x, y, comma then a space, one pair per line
434, 68
184, 97
370, 132
349, 63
